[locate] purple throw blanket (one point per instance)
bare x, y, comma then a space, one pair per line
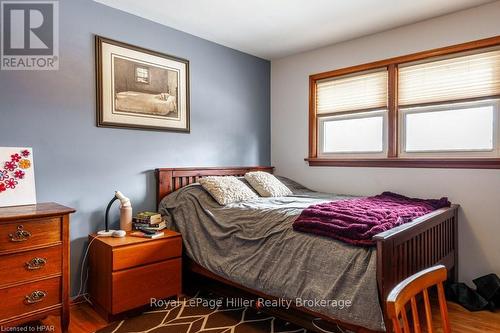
356, 221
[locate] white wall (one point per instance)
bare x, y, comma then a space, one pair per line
477, 191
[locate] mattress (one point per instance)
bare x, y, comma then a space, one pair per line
253, 244
139, 102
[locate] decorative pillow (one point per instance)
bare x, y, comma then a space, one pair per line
227, 189
267, 185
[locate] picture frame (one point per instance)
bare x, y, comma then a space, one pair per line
139, 88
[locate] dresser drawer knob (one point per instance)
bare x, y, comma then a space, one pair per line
20, 235
35, 263
35, 297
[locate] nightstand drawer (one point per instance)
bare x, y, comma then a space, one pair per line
125, 257
135, 287
30, 265
25, 234
29, 297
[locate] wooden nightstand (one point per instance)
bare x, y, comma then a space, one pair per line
125, 273
34, 264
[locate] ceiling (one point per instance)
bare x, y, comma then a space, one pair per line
276, 28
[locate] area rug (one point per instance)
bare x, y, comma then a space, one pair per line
193, 315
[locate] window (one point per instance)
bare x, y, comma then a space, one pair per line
142, 74
464, 76
465, 129
352, 114
445, 128
359, 133
439, 108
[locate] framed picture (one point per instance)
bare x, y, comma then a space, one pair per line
17, 177
140, 88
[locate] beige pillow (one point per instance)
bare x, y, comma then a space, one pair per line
267, 185
227, 189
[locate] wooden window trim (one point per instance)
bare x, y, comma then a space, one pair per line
392, 159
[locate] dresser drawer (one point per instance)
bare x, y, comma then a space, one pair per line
30, 265
153, 251
136, 286
26, 234
19, 300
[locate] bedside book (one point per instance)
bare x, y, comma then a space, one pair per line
146, 235
147, 217
156, 227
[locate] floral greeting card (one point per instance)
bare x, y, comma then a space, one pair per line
17, 178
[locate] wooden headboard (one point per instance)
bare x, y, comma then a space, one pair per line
169, 180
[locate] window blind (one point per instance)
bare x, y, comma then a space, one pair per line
458, 78
367, 90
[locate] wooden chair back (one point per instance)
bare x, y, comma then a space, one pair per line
407, 291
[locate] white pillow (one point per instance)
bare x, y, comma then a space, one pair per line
227, 189
267, 185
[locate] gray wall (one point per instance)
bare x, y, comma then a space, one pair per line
80, 165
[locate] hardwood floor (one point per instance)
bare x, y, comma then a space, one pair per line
85, 320
463, 321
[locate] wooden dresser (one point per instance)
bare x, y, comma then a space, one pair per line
34, 263
125, 273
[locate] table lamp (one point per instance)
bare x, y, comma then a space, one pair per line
125, 217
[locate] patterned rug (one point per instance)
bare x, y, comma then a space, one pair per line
195, 315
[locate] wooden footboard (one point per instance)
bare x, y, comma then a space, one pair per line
426, 241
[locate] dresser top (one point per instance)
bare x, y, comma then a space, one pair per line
33, 211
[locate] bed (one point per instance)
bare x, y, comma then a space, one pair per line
139, 102
329, 269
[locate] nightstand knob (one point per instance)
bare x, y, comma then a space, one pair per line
21, 235
35, 297
35, 263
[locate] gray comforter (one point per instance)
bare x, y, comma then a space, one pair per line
252, 243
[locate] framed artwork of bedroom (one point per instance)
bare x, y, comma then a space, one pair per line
140, 88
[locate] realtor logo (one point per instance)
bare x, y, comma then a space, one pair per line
30, 35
